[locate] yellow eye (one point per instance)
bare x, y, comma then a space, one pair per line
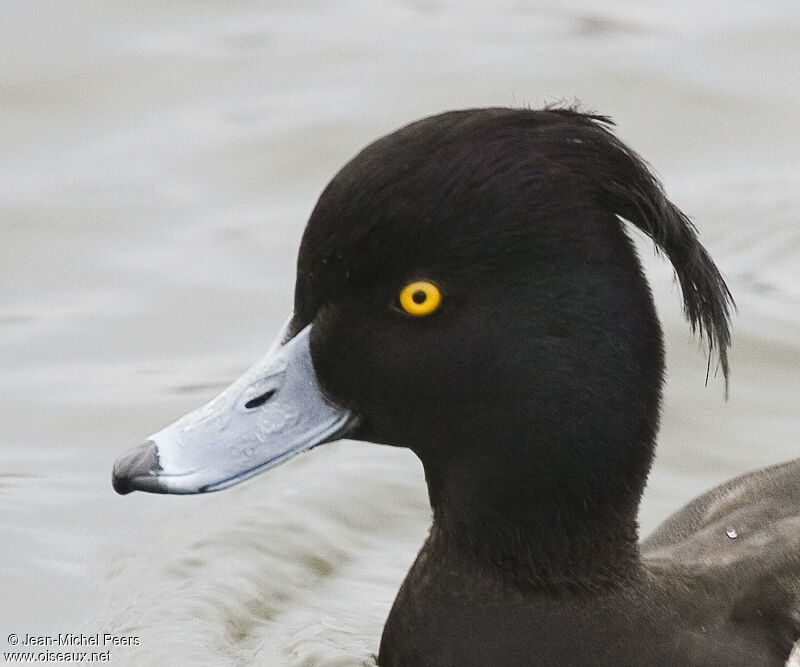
420, 298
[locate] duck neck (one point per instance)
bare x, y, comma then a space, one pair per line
533, 534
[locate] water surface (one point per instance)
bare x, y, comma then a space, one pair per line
159, 161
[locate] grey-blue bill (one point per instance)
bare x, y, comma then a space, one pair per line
273, 412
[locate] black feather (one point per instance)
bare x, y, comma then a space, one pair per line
629, 188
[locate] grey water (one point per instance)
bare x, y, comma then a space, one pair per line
158, 161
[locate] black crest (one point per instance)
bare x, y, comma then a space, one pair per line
630, 189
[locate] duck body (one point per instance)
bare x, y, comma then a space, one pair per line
654, 620
696, 596
524, 369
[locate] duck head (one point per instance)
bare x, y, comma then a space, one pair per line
465, 288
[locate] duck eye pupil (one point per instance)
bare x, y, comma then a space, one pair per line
419, 296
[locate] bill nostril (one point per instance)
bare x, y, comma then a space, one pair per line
259, 400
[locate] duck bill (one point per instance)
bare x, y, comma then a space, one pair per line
273, 412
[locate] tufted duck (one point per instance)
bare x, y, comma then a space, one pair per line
465, 288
